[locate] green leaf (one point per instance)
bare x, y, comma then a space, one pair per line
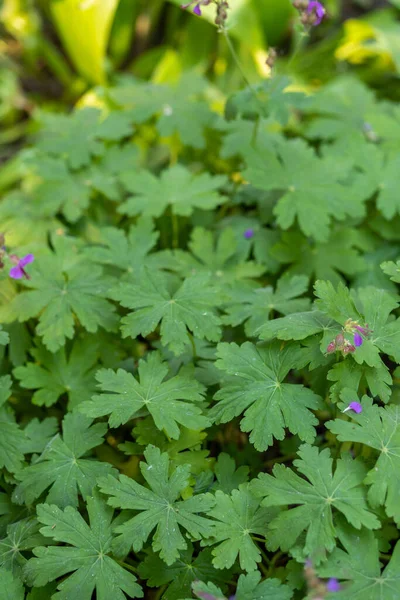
11, 587
298, 326
80, 136
21, 536
349, 374
221, 258
11, 436
228, 478
339, 255
358, 567
375, 305
170, 402
256, 389
249, 588
377, 428
177, 187
192, 307
62, 466
255, 306
38, 434
84, 30
63, 288
238, 516
53, 375
127, 252
86, 554
175, 106
318, 498
57, 189
4, 337
158, 508
310, 188
180, 576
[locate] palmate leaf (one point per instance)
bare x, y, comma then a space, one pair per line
177, 187
182, 573
64, 466
378, 428
219, 257
249, 588
58, 189
11, 587
170, 402
318, 498
53, 375
158, 508
254, 306
256, 388
192, 307
38, 434
86, 554
63, 288
128, 252
339, 255
311, 188
11, 436
80, 136
358, 567
238, 516
21, 536
228, 478
174, 105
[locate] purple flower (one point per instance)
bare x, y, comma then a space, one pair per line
18, 272
357, 339
356, 406
197, 8
317, 9
248, 234
333, 585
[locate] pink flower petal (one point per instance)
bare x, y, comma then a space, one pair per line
197, 10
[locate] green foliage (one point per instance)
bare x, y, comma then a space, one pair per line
210, 297
86, 554
159, 508
170, 402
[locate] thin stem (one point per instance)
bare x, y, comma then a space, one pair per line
239, 66
175, 230
127, 566
192, 342
273, 562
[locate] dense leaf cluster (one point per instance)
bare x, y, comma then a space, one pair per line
175, 369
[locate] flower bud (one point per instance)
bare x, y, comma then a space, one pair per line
331, 348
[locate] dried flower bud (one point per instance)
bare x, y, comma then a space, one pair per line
339, 339
331, 348
271, 58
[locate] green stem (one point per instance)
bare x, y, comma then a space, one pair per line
127, 566
175, 230
273, 562
239, 66
192, 342
56, 62
160, 592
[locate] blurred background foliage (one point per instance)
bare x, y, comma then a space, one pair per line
53, 52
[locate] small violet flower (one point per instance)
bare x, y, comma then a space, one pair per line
356, 406
357, 339
198, 5
248, 234
317, 9
18, 272
333, 585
